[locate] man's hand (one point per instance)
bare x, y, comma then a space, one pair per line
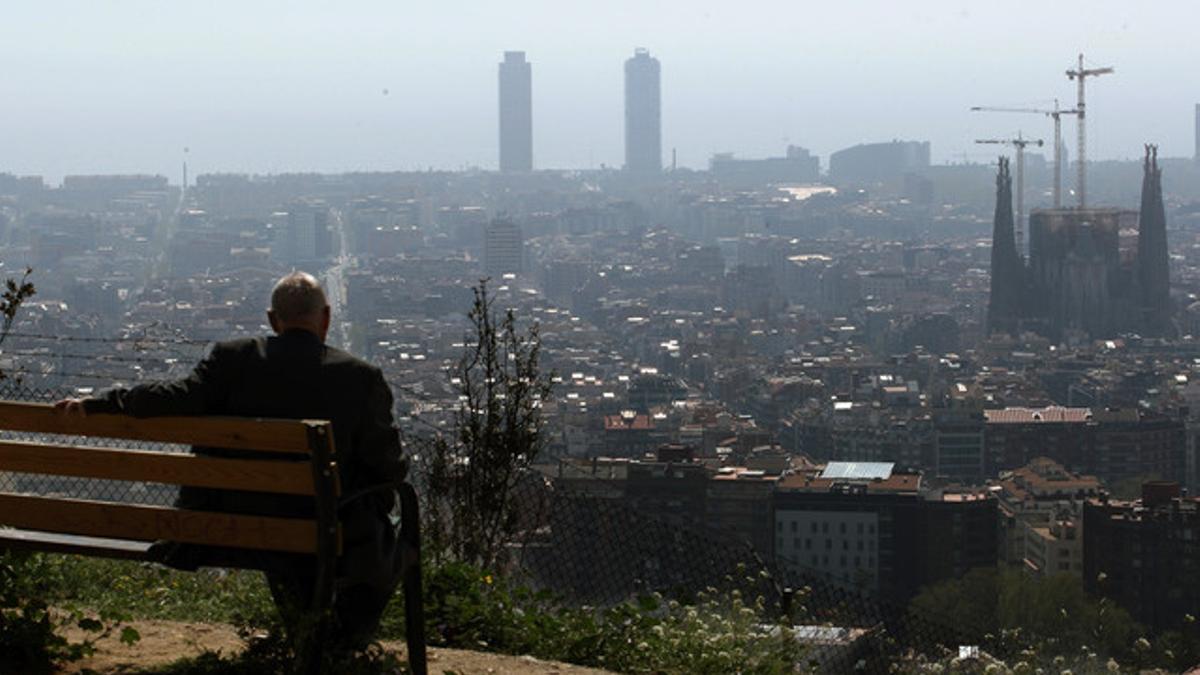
72, 407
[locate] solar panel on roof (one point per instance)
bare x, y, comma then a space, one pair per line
858, 470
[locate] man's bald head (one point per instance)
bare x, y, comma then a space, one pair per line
297, 302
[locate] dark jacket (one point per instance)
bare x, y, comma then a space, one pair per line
293, 375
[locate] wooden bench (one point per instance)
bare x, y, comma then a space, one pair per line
294, 457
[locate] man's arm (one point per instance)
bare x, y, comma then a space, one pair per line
378, 445
203, 391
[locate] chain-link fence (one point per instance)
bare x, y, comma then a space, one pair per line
134, 492
595, 549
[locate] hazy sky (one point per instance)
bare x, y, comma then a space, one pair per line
106, 87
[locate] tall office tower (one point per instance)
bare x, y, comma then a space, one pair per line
1153, 277
516, 113
643, 114
503, 248
1004, 300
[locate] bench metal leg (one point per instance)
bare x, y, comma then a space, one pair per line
324, 589
414, 607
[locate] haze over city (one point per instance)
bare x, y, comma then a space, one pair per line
302, 86
675, 337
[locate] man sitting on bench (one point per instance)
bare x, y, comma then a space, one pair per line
293, 374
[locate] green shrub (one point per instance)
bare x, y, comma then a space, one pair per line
30, 639
720, 633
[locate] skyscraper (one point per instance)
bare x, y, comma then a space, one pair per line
516, 113
503, 248
643, 114
1197, 155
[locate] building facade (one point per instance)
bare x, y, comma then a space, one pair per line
1145, 554
870, 527
503, 248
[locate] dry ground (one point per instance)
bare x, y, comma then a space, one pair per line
166, 641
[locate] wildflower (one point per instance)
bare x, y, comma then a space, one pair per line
1142, 644
487, 579
1112, 666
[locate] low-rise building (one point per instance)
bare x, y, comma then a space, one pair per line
867, 525
1145, 554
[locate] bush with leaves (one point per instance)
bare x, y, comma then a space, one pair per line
30, 637
1023, 623
718, 633
16, 292
471, 510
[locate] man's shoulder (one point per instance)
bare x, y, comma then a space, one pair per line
344, 359
238, 346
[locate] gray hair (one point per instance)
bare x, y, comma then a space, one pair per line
297, 296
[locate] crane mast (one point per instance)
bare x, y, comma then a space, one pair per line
1080, 76
1055, 114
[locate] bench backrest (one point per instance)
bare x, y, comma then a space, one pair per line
280, 474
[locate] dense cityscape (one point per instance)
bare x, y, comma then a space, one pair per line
855, 365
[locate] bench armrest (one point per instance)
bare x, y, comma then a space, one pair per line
369, 490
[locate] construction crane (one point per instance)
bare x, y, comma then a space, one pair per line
1080, 75
1019, 143
1055, 114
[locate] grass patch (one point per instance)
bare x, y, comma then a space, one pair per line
465, 608
147, 591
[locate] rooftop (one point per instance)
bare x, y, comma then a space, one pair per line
1051, 414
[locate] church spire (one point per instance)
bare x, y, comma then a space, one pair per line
1004, 300
1153, 277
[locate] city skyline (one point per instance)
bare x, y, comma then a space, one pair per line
323, 90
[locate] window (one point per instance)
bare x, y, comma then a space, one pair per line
828, 544
795, 526
860, 528
843, 528
814, 527
825, 528
808, 544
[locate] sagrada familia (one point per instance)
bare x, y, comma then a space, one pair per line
1078, 281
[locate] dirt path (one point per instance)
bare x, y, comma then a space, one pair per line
166, 641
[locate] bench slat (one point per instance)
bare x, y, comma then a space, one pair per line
65, 543
150, 523
271, 435
159, 467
